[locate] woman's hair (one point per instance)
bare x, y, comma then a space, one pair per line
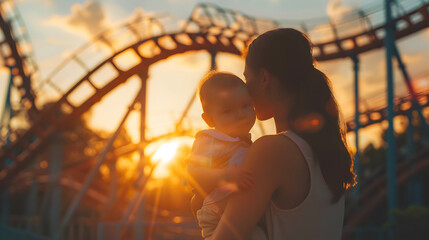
313, 112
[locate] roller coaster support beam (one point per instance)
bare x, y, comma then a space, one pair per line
94, 171
113, 184
32, 199
135, 201
140, 211
356, 163
213, 55
6, 111
391, 149
55, 167
142, 100
4, 206
415, 185
414, 100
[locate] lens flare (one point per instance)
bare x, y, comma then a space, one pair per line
163, 158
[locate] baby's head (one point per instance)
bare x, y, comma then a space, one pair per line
227, 104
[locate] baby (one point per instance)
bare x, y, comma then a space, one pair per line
217, 153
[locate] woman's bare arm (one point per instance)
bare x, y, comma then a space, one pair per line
209, 178
205, 179
244, 209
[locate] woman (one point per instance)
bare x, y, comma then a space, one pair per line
302, 172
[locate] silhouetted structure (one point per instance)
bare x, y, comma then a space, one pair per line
210, 28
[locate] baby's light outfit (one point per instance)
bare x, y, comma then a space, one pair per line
209, 146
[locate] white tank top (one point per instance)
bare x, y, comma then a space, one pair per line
316, 217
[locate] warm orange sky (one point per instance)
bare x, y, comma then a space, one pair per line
57, 29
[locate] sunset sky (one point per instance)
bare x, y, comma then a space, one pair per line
58, 28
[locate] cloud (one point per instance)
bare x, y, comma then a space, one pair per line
138, 14
412, 59
336, 10
87, 19
48, 3
181, 1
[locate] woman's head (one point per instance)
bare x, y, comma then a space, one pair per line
280, 69
284, 54
280, 52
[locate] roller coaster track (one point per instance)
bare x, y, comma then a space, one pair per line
377, 114
375, 194
209, 28
365, 38
16, 52
38, 133
374, 38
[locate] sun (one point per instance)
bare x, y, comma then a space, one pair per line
163, 157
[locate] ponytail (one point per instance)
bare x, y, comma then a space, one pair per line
315, 117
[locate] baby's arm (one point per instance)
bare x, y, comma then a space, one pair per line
205, 178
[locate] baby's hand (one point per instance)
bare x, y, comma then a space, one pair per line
239, 176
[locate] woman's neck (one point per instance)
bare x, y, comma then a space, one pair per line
280, 116
281, 102
281, 126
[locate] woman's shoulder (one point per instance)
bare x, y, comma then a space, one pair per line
274, 149
276, 142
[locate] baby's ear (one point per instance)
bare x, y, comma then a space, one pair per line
207, 119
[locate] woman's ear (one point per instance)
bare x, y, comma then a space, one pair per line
266, 78
207, 119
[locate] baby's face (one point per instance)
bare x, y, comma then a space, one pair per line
232, 112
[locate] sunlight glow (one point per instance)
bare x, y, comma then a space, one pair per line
163, 157
423, 83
